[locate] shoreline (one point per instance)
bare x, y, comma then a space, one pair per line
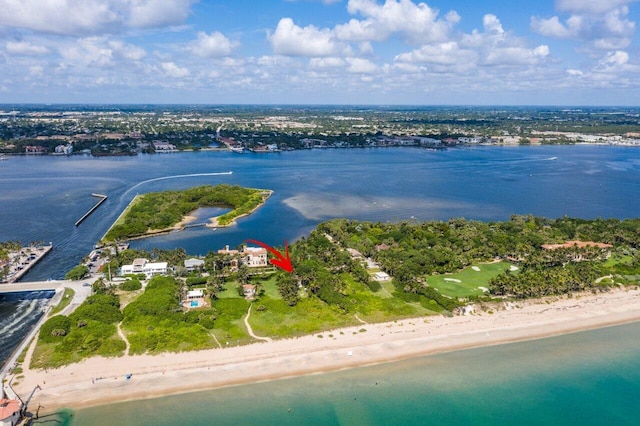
153, 376
213, 221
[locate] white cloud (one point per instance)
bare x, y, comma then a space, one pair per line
590, 6
602, 24
492, 47
448, 53
616, 58
173, 70
25, 48
36, 70
330, 62
86, 17
153, 13
292, 40
90, 52
417, 23
361, 66
212, 45
126, 51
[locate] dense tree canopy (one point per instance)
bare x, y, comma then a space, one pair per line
157, 211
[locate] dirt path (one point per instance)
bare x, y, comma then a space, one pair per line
250, 330
361, 320
123, 337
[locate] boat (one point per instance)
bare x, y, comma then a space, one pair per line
238, 150
3, 158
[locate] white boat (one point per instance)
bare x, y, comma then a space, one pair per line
238, 150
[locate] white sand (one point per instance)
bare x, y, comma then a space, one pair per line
171, 373
453, 280
476, 268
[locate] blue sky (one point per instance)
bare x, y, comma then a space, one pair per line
545, 52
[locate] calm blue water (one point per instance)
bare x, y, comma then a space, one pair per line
42, 197
534, 383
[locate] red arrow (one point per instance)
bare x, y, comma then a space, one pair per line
282, 261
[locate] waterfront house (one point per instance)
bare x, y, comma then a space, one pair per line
35, 149
143, 266
193, 264
255, 257
252, 257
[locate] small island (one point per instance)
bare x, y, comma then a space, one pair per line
161, 212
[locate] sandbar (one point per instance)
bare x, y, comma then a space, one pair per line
98, 380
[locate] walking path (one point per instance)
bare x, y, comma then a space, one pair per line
250, 330
123, 337
361, 320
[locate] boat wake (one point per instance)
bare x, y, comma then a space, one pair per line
137, 185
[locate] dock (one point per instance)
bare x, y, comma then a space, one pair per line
92, 209
23, 260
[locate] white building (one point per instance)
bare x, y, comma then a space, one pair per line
381, 276
159, 146
64, 149
143, 266
193, 264
195, 294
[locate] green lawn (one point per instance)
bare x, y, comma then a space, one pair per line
469, 278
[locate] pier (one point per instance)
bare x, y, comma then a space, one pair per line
87, 214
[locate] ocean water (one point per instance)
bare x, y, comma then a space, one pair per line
586, 378
18, 313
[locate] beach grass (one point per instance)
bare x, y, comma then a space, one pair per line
67, 297
469, 280
310, 315
229, 326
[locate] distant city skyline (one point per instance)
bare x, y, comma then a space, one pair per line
390, 52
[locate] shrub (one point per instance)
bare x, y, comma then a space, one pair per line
55, 328
131, 285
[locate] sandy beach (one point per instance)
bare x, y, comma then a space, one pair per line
99, 381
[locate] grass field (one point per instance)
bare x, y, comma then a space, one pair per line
469, 278
64, 302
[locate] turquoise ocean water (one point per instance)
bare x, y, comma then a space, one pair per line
586, 378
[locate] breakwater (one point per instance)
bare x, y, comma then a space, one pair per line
92, 209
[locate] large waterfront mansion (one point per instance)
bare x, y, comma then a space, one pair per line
252, 257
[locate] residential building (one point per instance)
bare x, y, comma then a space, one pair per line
193, 264
253, 257
35, 149
143, 266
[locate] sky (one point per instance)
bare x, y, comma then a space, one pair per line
382, 52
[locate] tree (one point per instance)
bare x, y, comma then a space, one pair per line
77, 273
243, 274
